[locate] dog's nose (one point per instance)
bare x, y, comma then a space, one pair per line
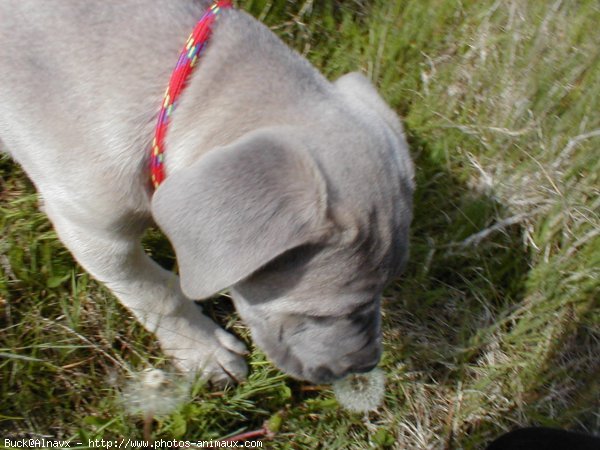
365, 360
364, 367
322, 374
325, 374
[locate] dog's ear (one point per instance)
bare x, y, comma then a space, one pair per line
355, 85
362, 95
238, 207
357, 88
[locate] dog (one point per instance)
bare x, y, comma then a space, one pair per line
291, 191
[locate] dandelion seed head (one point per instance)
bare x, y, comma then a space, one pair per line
154, 392
153, 378
361, 392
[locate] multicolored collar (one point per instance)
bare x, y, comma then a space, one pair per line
192, 50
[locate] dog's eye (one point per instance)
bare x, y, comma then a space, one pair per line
360, 309
292, 259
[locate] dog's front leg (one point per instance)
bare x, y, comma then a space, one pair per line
116, 258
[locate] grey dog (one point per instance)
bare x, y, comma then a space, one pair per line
292, 192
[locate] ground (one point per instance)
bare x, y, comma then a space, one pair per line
495, 323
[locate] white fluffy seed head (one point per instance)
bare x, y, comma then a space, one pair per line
153, 378
154, 392
361, 392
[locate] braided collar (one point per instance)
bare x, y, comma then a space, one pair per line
188, 58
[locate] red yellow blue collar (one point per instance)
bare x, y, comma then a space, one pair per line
191, 52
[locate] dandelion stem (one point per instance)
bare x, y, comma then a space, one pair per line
148, 417
263, 432
309, 388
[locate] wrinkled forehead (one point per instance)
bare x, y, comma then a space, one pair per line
318, 305
347, 272
310, 281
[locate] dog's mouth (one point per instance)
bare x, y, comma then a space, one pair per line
318, 363
318, 349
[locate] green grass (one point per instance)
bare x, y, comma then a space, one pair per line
496, 322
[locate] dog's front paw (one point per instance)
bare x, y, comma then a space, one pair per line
219, 361
197, 345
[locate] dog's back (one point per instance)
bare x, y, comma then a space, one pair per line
81, 82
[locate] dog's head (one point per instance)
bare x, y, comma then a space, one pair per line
305, 225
